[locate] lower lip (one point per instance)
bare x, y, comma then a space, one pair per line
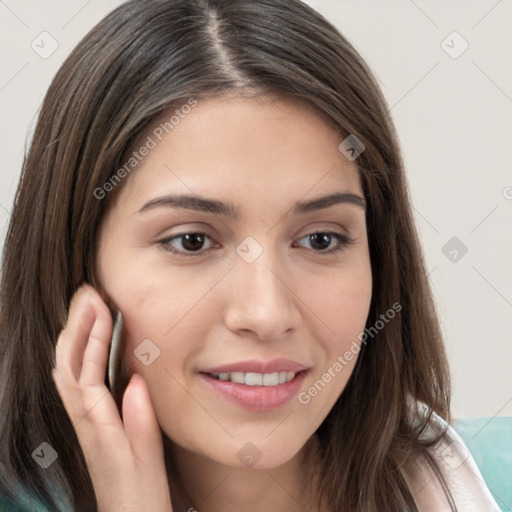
256, 398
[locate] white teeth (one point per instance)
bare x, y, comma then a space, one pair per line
237, 377
253, 379
270, 379
256, 379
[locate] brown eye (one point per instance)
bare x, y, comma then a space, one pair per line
322, 241
186, 243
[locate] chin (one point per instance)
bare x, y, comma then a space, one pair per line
248, 452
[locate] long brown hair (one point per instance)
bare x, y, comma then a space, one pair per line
142, 59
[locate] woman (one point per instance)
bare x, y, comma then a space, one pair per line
222, 178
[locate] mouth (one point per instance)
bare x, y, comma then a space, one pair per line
255, 379
255, 391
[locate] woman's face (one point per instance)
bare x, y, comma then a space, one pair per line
226, 263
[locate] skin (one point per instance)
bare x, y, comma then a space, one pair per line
213, 307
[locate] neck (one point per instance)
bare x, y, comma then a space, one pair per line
207, 486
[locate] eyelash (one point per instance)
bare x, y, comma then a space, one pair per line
343, 242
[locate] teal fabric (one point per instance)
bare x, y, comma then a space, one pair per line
489, 441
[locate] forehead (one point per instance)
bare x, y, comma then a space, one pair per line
251, 148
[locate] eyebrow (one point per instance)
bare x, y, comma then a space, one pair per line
204, 204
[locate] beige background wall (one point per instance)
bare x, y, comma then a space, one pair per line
453, 109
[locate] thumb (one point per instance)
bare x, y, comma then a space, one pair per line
141, 425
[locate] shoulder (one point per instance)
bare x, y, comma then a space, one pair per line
458, 470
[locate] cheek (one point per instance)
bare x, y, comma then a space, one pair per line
342, 304
166, 306
154, 298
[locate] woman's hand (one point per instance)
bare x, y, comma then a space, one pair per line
125, 457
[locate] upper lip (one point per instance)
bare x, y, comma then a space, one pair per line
258, 366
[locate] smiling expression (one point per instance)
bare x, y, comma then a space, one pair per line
238, 247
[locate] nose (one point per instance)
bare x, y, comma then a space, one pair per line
261, 299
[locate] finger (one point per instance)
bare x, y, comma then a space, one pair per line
143, 432
98, 426
141, 424
85, 309
73, 339
95, 358
84, 304
87, 335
